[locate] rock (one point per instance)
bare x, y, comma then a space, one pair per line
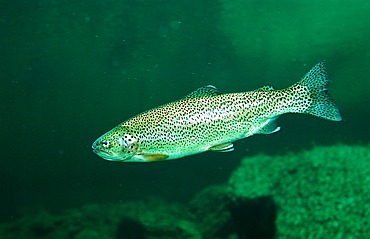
211, 209
153, 219
322, 193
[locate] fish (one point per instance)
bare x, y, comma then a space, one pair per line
208, 120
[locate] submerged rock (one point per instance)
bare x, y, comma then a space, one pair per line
141, 220
322, 193
211, 209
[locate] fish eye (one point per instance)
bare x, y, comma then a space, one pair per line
105, 143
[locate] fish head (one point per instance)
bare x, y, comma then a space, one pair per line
116, 146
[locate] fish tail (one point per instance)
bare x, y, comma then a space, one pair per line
313, 89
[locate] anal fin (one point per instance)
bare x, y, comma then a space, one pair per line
223, 148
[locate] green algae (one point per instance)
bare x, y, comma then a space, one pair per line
322, 193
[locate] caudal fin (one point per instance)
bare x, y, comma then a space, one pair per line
322, 105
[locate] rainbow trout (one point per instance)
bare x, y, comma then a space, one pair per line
207, 120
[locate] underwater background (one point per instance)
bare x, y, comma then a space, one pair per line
72, 70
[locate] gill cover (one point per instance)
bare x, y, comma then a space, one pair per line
129, 144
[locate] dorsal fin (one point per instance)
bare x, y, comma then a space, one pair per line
208, 90
266, 88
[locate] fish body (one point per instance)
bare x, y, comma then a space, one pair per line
207, 120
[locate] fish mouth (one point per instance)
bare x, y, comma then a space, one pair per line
101, 152
110, 156
98, 150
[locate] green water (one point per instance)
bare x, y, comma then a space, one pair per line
71, 70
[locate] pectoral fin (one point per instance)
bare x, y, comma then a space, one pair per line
223, 148
153, 157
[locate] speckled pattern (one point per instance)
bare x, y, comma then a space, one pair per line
208, 120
